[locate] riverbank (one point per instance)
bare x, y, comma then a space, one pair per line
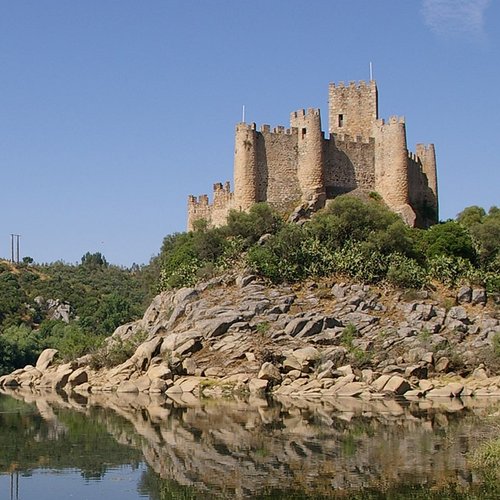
236, 334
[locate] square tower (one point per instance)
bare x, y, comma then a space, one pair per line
353, 109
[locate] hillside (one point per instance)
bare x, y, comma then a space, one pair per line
352, 285
238, 334
61, 305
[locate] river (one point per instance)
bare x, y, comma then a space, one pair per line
135, 446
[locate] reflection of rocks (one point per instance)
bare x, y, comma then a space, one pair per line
240, 335
242, 448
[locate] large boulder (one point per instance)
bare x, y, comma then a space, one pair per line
60, 377
257, 385
464, 295
146, 351
306, 355
269, 372
45, 359
218, 326
78, 377
127, 387
397, 385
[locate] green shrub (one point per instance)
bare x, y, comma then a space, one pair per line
250, 226
405, 272
349, 333
449, 239
116, 351
19, 346
348, 218
357, 260
186, 274
72, 341
283, 257
450, 270
397, 238
484, 230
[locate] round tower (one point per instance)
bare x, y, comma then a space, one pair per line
391, 162
245, 166
310, 172
391, 167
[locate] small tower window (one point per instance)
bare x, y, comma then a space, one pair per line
341, 120
303, 132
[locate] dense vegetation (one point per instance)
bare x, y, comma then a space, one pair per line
96, 296
350, 238
360, 240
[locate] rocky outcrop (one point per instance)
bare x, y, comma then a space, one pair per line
317, 339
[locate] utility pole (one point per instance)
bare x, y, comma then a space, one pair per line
14, 255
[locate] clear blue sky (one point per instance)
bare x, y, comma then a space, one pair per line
113, 111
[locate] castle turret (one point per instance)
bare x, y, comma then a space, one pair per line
427, 156
245, 166
198, 208
353, 109
391, 166
310, 163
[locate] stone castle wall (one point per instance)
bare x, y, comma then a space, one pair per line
288, 166
277, 181
349, 165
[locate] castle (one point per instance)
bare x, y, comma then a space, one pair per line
362, 153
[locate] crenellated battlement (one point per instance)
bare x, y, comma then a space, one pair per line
396, 119
346, 138
302, 113
220, 188
391, 121
353, 85
360, 152
198, 201
425, 149
245, 126
412, 156
278, 130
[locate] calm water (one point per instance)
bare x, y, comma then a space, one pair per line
132, 447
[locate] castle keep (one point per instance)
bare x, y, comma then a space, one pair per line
288, 166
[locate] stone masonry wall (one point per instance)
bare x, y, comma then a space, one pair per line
422, 197
353, 108
277, 181
349, 165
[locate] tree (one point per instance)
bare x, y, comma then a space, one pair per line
484, 230
94, 260
19, 346
450, 239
